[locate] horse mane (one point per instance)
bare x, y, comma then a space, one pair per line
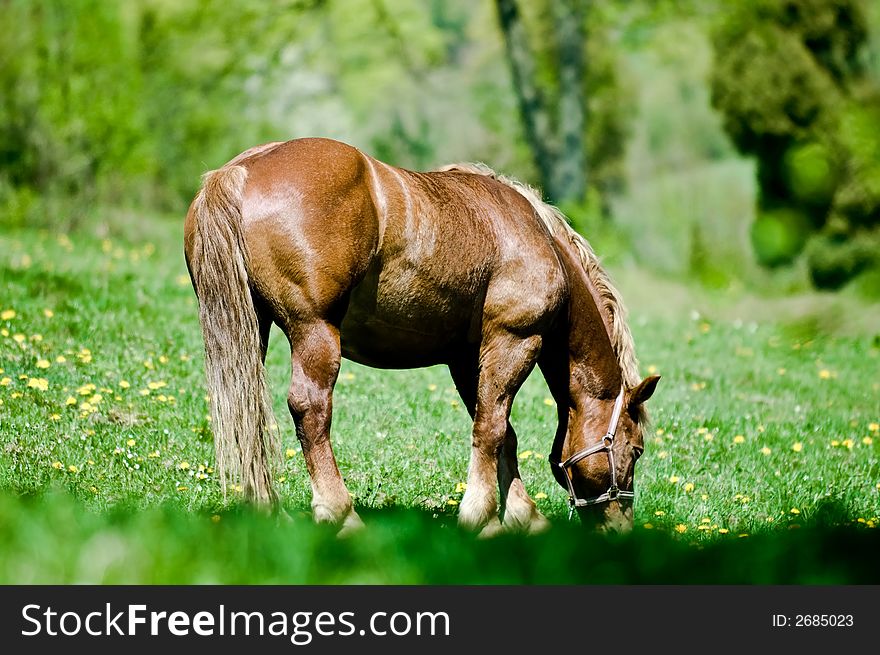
558, 226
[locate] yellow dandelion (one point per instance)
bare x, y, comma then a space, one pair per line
723, 530
97, 398
674, 479
123, 384
739, 439
182, 280
144, 392
348, 376
163, 359
4, 332
659, 512
835, 443
848, 443
54, 417
705, 519
48, 313
432, 387
702, 430
72, 469
709, 437
153, 455
525, 454
15, 394
689, 487
131, 442
7, 315
40, 384
681, 528
825, 374
867, 441
5, 382
660, 432
290, 452
662, 454
86, 389
874, 427
460, 487
157, 385
765, 451
182, 487
652, 369
215, 518
70, 401
19, 338
148, 363
452, 501
797, 446
780, 371
794, 510
57, 466
60, 359
540, 495
183, 466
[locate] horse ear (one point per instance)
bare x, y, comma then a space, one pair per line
643, 390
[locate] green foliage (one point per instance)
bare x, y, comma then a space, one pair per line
810, 174
834, 261
790, 82
57, 540
779, 235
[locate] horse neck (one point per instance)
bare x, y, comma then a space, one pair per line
593, 366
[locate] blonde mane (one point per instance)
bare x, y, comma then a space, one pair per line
557, 224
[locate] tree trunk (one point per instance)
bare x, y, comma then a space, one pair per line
558, 154
532, 107
570, 170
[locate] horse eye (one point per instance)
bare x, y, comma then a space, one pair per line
637, 452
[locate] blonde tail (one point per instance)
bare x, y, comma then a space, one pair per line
241, 408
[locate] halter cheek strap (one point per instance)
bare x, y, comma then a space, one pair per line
605, 445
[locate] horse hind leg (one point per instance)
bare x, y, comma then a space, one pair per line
315, 356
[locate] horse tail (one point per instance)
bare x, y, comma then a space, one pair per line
241, 409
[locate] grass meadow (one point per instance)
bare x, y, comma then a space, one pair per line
761, 461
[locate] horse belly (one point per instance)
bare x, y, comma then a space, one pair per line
404, 319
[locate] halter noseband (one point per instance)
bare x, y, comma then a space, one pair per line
605, 444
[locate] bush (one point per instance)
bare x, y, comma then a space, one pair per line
778, 236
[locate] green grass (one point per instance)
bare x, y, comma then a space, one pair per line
757, 427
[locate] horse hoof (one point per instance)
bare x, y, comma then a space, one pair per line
492, 529
351, 525
539, 524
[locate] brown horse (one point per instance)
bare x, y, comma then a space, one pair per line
392, 268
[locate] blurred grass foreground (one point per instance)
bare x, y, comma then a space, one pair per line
52, 539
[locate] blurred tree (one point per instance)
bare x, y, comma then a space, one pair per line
791, 84
563, 88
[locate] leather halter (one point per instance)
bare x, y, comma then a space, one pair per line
605, 445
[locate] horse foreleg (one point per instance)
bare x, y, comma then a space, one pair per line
505, 362
519, 512
315, 355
